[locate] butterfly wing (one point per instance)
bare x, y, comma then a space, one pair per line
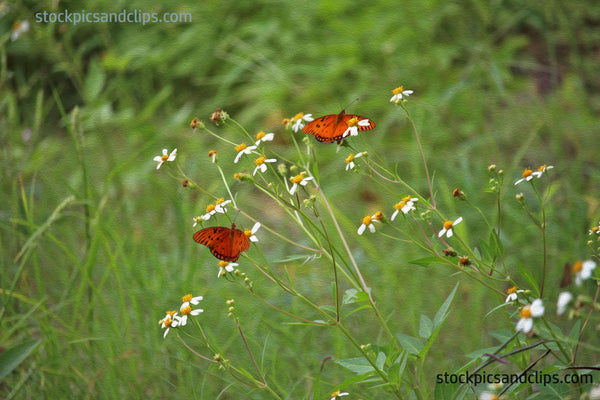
224, 243
331, 128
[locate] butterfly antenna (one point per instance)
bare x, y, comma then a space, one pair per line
349, 104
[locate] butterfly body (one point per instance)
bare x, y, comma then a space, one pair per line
224, 243
335, 127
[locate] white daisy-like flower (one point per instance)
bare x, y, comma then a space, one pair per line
165, 157
19, 28
299, 120
488, 396
367, 222
241, 150
251, 233
338, 394
261, 164
353, 125
527, 313
594, 230
399, 94
197, 220
220, 205
583, 270
169, 321
564, 298
217, 207
264, 137
512, 294
529, 174
405, 205
225, 267
350, 160
213, 155
299, 180
448, 226
186, 308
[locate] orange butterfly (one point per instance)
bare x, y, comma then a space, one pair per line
332, 128
224, 243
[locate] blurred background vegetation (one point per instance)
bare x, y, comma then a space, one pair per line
96, 245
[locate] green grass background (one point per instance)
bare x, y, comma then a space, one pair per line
507, 82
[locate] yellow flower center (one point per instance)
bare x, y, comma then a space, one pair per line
298, 178
260, 135
219, 201
165, 157
511, 290
335, 394
349, 158
212, 153
298, 116
223, 264
542, 168
399, 206
260, 160
448, 225
398, 90
527, 172
285, 121
378, 216
247, 232
210, 208
367, 220
577, 266
237, 176
167, 321
525, 312
186, 310
352, 122
406, 199
187, 297
595, 229
240, 147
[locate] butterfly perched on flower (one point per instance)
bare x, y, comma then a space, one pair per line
333, 128
224, 243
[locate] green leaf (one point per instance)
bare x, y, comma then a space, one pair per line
426, 261
13, 357
358, 365
380, 362
94, 81
426, 327
411, 344
441, 315
529, 278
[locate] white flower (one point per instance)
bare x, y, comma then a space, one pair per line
165, 157
299, 180
367, 222
529, 174
196, 221
242, 149
563, 299
448, 226
353, 125
299, 119
226, 266
594, 229
19, 28
405, 205
251, 233
260, 164
399, 93
264, 137
583, 270
350, 160
338, 394
217, 207
169, 321
186, 308
527, 313
488, 396
512, 294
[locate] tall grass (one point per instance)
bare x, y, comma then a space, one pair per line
96, 244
